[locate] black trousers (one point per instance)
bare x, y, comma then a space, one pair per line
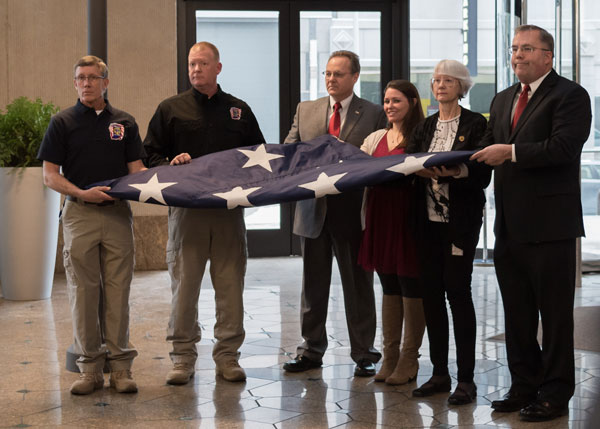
357, 285
538, 279
446, 270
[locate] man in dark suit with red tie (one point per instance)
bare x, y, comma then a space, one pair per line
534, 138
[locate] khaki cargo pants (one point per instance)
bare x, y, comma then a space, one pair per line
99, 254
195, 237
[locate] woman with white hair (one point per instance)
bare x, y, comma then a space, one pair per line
451, 209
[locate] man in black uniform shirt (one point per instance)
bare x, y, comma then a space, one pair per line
197, 122
93, 141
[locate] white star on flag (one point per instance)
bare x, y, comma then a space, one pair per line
259, 157
409, 165
324, 185
152, 189
237, 197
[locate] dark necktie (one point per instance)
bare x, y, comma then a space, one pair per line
334, 122
521, 103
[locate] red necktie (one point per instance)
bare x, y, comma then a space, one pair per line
334, 122
521, 103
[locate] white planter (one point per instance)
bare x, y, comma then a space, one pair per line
28, 234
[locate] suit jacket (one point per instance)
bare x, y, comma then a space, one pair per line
466, 195
311, 121
538, 197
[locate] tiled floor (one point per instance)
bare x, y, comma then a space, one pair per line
34, 385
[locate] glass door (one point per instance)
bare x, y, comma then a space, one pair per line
557, 17
464, 31
249, 46
273, 54
589, 70
323, 32
360, 27
251, 53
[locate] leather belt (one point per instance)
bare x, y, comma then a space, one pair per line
80, 201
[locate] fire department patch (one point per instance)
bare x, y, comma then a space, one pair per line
117, 131
236, 113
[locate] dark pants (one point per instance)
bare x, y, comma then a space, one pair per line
357, 284
538, 279
446, 273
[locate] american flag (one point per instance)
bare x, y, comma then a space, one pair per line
271, 173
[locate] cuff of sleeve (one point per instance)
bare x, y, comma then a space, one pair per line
464, 172
514, 153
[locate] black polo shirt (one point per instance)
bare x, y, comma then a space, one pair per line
91, 147
193, 123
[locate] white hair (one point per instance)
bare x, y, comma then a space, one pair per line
456, 70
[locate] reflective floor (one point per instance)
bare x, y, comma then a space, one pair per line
34, 385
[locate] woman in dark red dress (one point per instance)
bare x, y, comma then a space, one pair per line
389, 244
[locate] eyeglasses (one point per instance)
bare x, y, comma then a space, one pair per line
90, 79
449, 82
526, 49
336, 75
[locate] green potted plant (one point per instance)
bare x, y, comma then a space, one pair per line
28, 209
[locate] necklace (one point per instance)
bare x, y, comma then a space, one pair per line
394, 138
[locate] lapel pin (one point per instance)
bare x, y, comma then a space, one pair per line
461, 138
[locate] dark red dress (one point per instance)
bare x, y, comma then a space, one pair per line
389, 244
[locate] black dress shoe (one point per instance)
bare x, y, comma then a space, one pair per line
364, 368
541, 411
436, 384
512, 401
465, 393
301, 363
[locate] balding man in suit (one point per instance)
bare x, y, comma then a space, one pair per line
534, 138
331, 225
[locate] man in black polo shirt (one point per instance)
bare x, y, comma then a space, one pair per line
93, 141
197, 122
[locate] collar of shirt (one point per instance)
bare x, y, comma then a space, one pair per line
345, 104
534, 85
82, 108
203, 98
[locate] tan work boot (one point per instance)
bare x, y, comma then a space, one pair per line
123, 382
231, 371
414, 327
391, 327
87, 383
181, 373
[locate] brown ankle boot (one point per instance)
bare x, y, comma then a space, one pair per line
391, 327
414, 327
